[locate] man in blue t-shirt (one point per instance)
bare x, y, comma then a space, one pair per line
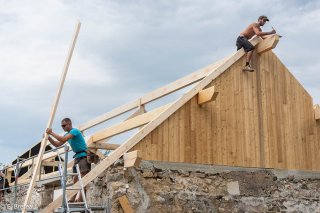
78, 145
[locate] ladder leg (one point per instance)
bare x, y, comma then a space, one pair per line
84, 199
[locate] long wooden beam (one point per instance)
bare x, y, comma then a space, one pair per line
102, 145
51, 117
116, 154
268, 44
128, 124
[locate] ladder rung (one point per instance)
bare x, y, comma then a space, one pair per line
76, 203
77, 209
72, 174
70, 188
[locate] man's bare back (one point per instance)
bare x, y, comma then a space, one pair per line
251, 30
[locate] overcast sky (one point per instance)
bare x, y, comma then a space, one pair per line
126, 49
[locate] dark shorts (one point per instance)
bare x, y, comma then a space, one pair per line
84, 166
243, 42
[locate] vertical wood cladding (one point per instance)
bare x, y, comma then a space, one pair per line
260, 119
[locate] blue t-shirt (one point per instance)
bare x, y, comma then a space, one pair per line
77, 143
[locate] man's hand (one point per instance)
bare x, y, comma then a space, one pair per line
273, 31
49, 131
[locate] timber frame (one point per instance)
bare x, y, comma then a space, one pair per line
200, 78
144, 122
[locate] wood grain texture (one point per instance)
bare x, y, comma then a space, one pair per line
260, 119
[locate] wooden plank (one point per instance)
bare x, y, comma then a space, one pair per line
317, 112
160, 143
25, 176
124, 202
118, 111
46, 163
236, 112
232, 143
129, 124
171, 137
268, 44
187, 133
45, 156
193, 125
132, 159
176, 137
182, 129
217, 121
223, 117
139, 111
51, 117
197, 134
116, 154
207, 95
154, 144
165, 141
102, 145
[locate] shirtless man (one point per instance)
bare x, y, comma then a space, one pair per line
248, 33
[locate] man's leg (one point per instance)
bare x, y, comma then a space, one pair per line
249, 56
248, 59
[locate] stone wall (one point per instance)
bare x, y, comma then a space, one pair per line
168, 187
41, 197
176, 187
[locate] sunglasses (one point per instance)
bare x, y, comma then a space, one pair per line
63, 125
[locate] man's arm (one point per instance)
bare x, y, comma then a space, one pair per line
60, 139
257, 30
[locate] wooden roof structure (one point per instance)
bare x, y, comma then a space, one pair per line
229, 117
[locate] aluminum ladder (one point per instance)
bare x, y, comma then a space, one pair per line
67, 206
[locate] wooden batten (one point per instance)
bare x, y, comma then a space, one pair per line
124, 202
48, 163
317, 112
268, 44
102, 145
129, 124
132, 158
207, 95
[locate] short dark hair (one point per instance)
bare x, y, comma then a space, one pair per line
67, 120
263, 17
